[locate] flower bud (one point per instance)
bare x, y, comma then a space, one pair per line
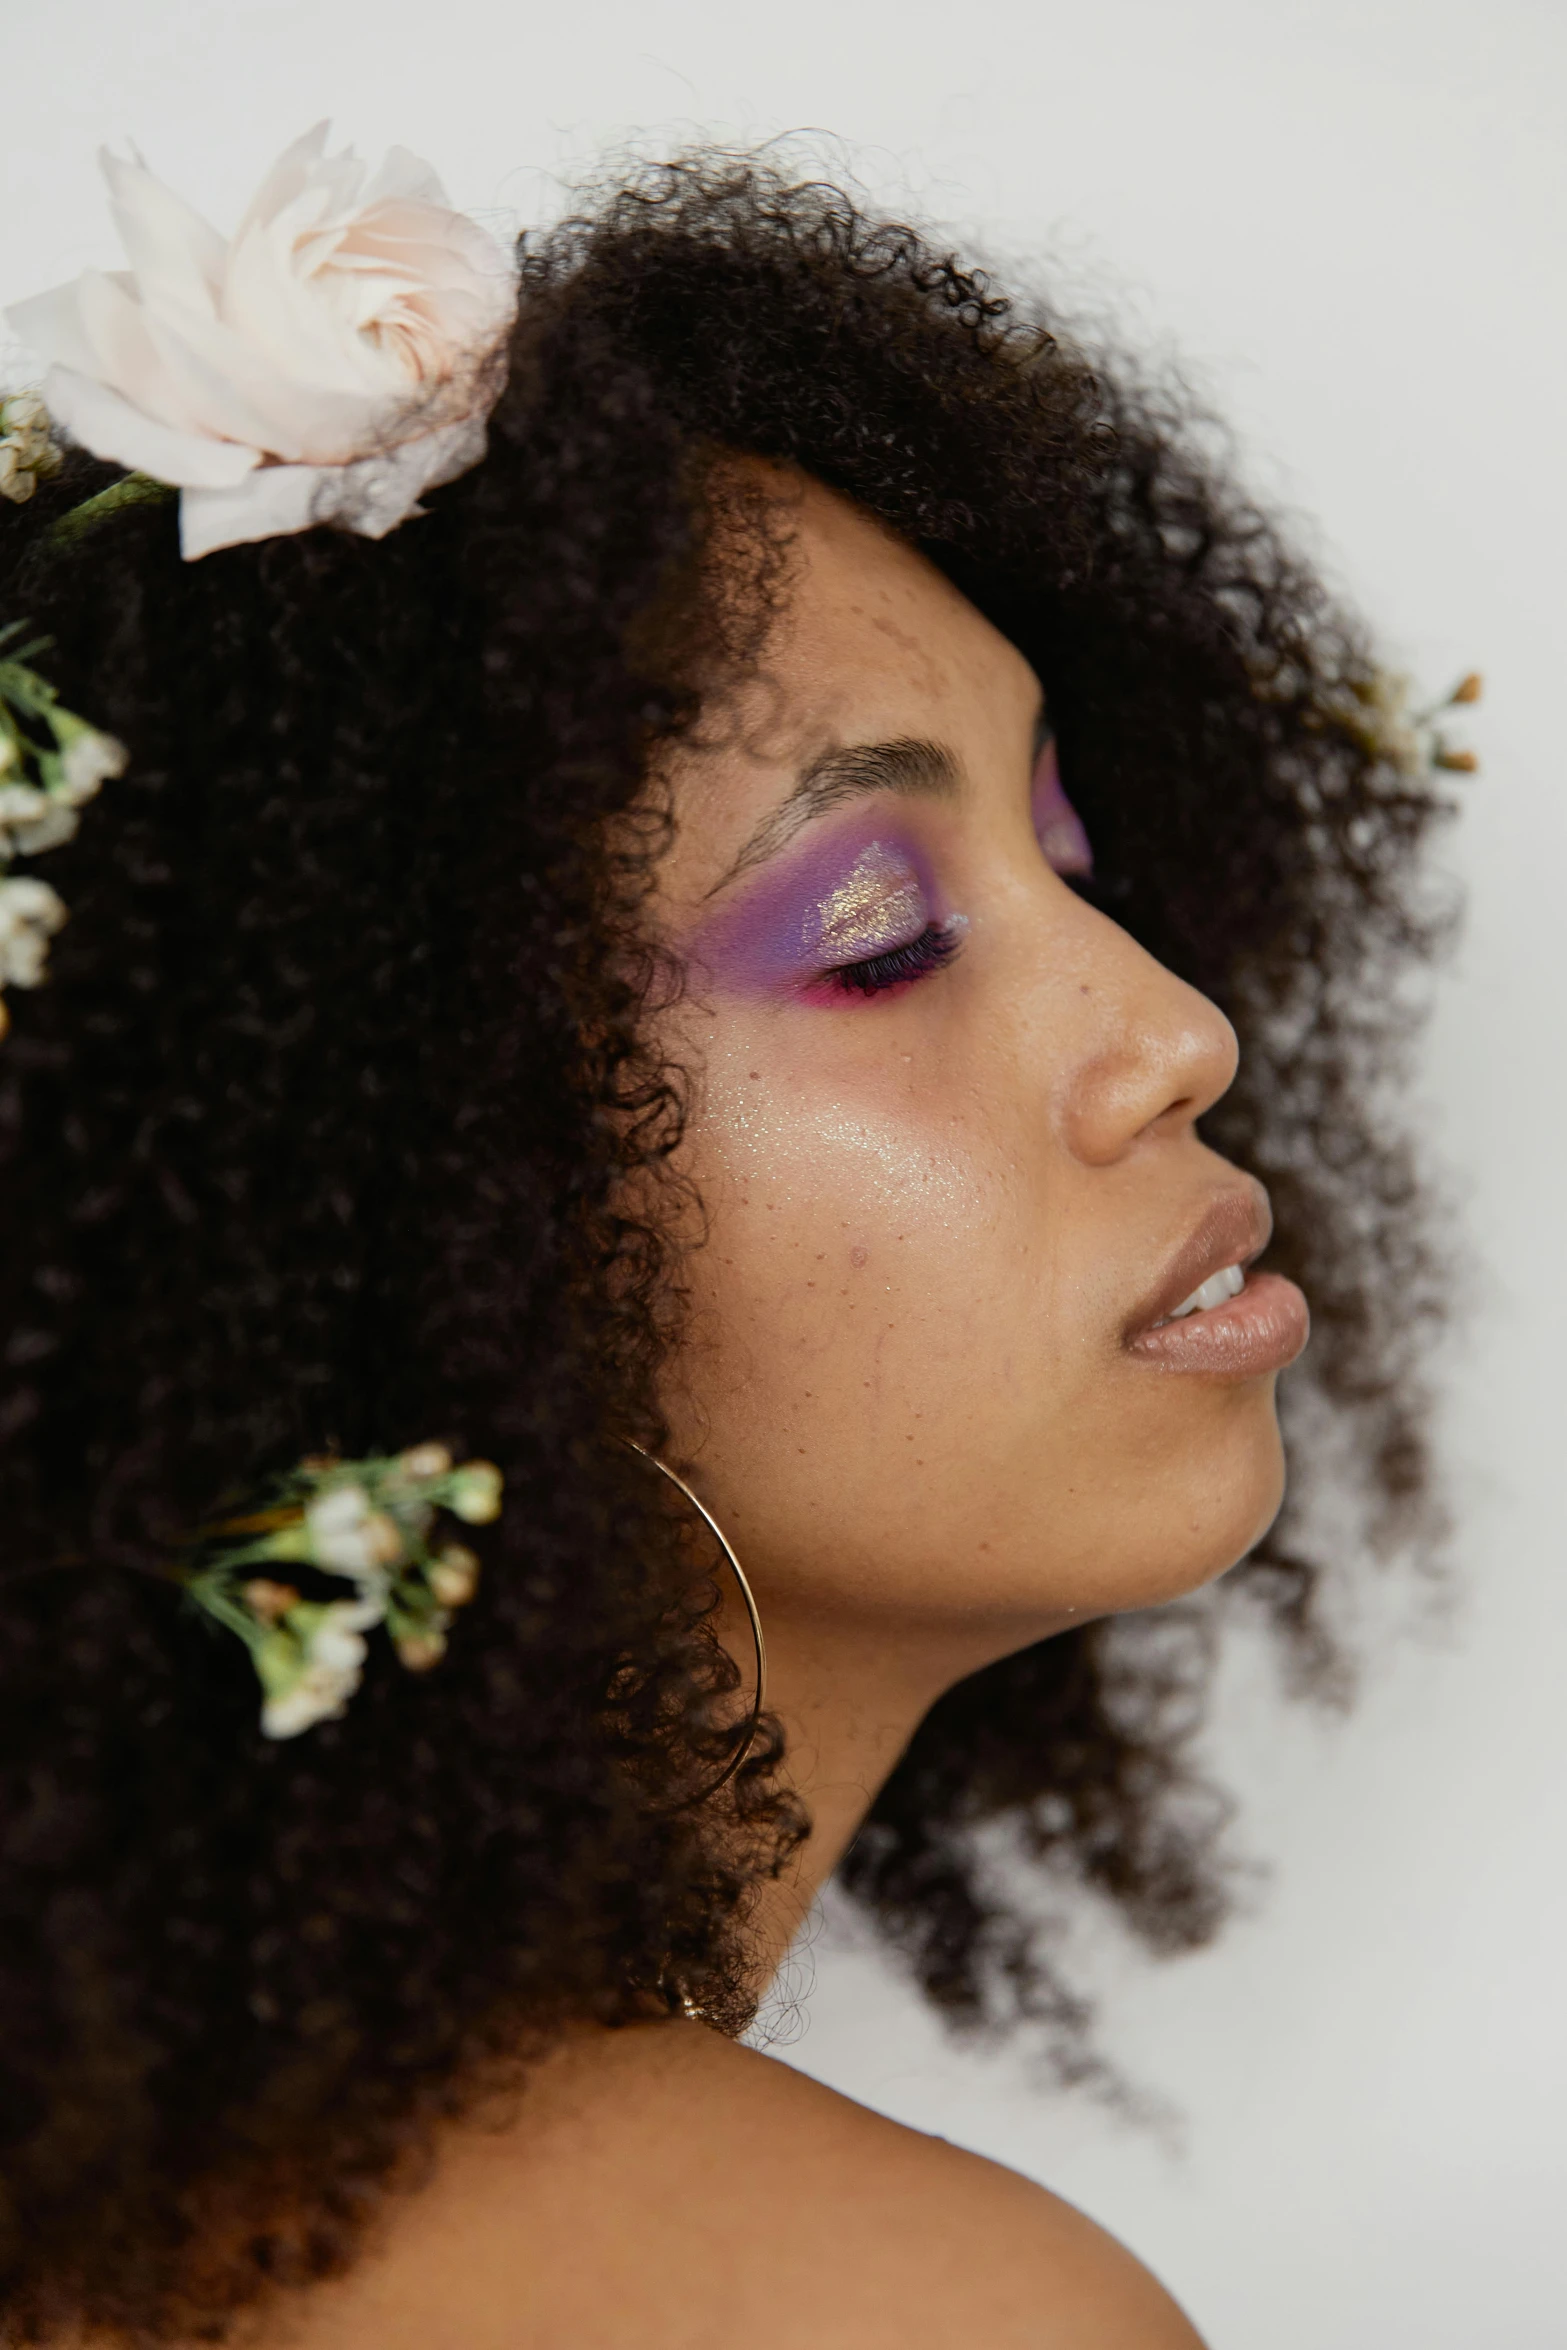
476, 1492
453, 1576
425, 1460
420, 1650
266, 1600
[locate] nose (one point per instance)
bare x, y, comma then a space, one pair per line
1154, 1053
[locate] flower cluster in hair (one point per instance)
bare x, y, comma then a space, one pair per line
370, 1522
1411, 739
51, 765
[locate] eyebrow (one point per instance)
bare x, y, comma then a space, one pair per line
915, 768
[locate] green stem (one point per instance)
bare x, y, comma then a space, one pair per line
133, 489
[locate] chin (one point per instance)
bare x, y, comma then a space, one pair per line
1178, 1532
1224, 1520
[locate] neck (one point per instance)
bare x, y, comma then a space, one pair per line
850, 1694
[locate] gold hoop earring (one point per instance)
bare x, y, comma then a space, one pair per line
751, 1609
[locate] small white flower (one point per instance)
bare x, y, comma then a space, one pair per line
51, 830
17, 478
316, 1681
26, 451
1393, 729
30, 913
330, 362
88, 759
22, 803
25, 422
348, 1537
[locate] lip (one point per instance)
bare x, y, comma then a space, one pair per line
1261, 1329
1234, 1228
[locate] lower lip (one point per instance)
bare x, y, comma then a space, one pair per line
1261, 1329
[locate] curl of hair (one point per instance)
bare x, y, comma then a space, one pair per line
324, 1131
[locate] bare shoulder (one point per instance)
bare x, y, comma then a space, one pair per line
904, 2239
663, 2189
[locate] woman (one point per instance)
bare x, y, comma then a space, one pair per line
709, 949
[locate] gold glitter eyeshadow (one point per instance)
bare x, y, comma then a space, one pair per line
878, 904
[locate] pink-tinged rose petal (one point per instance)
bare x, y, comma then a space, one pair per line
126, 352
297, 327
113, 429
286, 180
370, 497
51, 325
405, 175
240, 395
176, 255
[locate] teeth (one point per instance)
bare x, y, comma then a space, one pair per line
1219, 1286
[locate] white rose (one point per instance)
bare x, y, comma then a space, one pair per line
330, 362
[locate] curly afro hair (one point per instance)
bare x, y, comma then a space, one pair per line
325, 1133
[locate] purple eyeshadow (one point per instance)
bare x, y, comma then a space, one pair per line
841, 900
1057, 822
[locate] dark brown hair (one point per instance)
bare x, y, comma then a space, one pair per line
320, 1134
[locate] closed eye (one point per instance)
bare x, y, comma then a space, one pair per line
936, 945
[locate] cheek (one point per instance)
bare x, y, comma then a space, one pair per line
868, 1302
802, 1165
845, 1220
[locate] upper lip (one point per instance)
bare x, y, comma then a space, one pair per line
1233, 1229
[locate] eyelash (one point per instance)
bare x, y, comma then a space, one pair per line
928, 952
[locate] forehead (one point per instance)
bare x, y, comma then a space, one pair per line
868, 627
870, 643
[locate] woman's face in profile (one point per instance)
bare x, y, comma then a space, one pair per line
944, 1131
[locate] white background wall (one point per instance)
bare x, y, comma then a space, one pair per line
1349, 215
